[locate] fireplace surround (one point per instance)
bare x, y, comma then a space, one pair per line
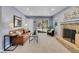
69, 35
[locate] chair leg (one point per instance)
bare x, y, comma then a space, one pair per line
29, 39
34, 38
37, 40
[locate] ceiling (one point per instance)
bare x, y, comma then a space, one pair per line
40, 10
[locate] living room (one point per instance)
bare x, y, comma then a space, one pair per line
20, 22
9, 18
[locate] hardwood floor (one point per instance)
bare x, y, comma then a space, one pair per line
46, 44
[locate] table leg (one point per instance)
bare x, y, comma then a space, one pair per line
29, 39
37, 39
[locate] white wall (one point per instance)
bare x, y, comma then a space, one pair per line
29, 22
0, 28
60, 18
50, 22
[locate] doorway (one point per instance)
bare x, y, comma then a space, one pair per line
42, 25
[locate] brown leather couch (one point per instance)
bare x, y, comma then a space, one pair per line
20, 36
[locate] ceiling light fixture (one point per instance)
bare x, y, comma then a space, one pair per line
52, 9
28, 9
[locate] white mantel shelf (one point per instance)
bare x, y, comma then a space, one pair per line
70, 21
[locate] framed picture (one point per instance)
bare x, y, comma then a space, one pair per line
72, 14
17, 21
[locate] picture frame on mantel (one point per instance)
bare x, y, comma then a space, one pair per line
17, 21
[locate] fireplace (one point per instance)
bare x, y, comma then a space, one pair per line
69, 35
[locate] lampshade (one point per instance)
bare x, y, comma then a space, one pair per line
11, 25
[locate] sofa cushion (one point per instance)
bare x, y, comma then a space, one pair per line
18, 33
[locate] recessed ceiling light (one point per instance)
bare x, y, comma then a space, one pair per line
48, 13
52, 9
27, 9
